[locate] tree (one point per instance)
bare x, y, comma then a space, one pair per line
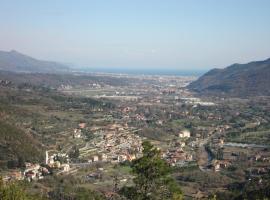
12, 164
75, 153
21, 162
152, 177
219, 154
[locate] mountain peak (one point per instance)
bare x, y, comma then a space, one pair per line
15, 61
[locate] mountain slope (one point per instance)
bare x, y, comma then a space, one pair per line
15, 61
16, 144
236, 80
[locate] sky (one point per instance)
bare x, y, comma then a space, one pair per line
138, 34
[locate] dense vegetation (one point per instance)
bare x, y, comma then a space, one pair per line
16, 146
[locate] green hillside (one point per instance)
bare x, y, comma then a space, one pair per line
16, 145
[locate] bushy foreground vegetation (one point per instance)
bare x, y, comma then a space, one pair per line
15, 191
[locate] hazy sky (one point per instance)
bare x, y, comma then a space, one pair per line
177, 34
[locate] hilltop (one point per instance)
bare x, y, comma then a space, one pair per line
236, 80
18, 62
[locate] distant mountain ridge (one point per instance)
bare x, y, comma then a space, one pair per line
18, 62
236, 80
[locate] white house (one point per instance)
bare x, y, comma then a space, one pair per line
95, 159
184, 134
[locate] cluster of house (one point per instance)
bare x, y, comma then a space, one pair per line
220, 164
126, 112
31, 172
177, 157
35, 171
115, 143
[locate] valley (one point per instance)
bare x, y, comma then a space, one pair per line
89, 133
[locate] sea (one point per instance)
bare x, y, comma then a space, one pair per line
165, 72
